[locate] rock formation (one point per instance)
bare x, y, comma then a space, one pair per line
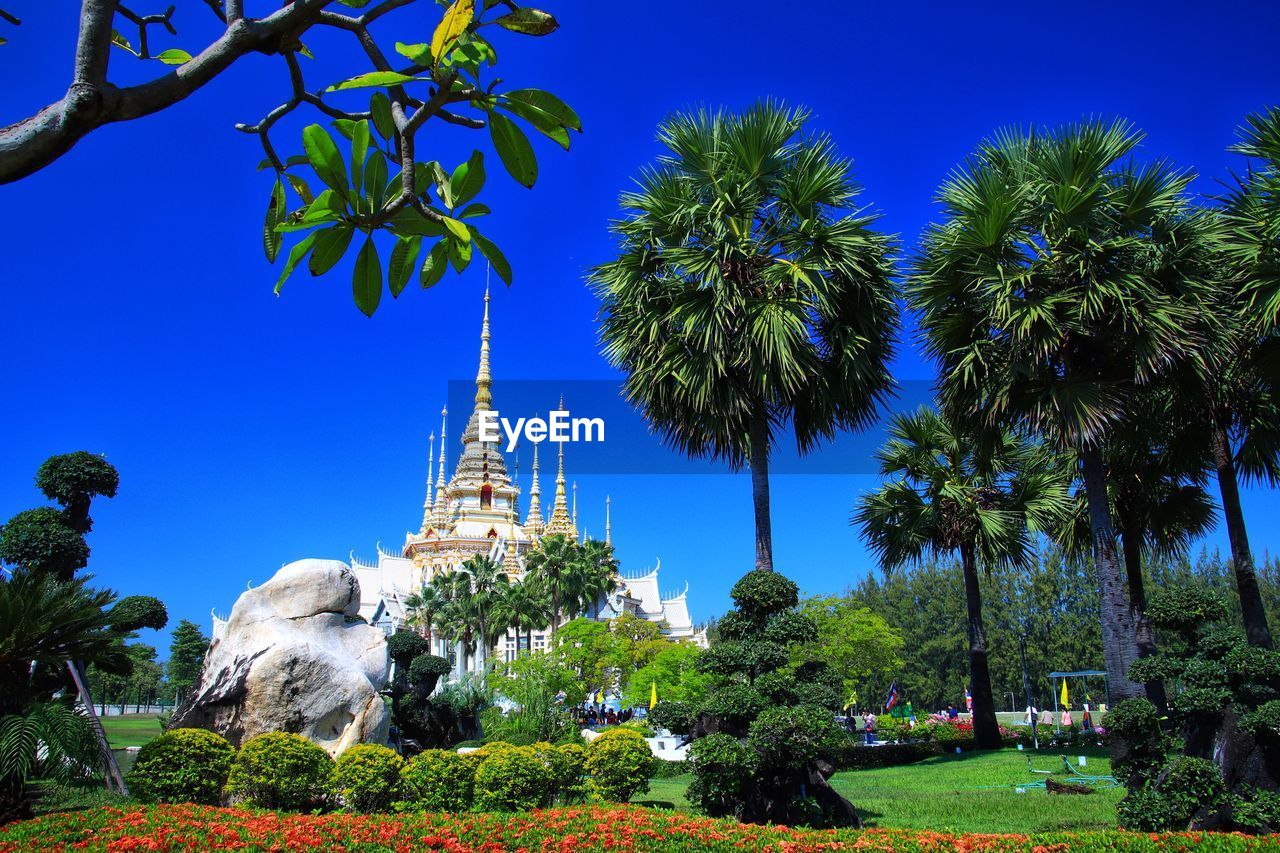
295, 657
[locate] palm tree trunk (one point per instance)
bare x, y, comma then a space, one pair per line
1131, 540
555, 615
986, 731
760, 490
1255, 616
1119, 639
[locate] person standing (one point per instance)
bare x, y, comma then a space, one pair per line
869, 727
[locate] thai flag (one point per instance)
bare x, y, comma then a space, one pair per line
893, 696
968, 700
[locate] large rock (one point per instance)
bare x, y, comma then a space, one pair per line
295, 658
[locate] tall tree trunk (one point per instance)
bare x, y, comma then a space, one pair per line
1255, 616
555, 615
1119, 639
986, 731
115, 780
760, 489
1131, 540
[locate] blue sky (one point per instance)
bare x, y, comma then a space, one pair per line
251, 430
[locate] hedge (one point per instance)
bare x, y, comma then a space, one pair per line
580, 828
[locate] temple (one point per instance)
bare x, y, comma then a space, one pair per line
477, 511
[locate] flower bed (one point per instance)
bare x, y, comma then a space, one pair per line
173, 828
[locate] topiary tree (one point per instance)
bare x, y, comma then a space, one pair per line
765, 739
511, 779
619, 763
1227, 711
367, 777
182, 766
439, 780
281, 770
425, 722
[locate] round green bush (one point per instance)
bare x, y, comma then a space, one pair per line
404, 646
511, 779
733, 627
722, 772
790, 627
620, 763
790, 738
759, 594
182, 766
367, 777
779, 688
1184, 609
427, 667
280, 770
674, 716
567, 766
735, 705
439, 780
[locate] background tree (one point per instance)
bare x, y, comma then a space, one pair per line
554, 566
432, 81
979, 492
674, 672
749, 295
1062, 277
523, 605
187, 649
858, 644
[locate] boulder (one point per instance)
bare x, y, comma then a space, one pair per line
295, 657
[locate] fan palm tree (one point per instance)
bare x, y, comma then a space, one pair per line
749, 294
523, 605
422, 607
979, 492
1062, 278
551, 564
597, 574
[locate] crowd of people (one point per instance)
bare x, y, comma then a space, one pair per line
589, 716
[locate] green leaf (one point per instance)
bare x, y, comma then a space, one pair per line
530, 22
326, 207
366, 280
459, 253
547, 103
323, 155
468, 179
300, 187
345, 126
369, 79
458, 229
476, 209
375, 178
433, 266
331, 245
173, 56
454, 23
419, 54
404, 257
122, 42
298, 252
514, 149
276, 208
494, 255
380, 109
542, 122
444, 186
359, 150
409, 221
295, 160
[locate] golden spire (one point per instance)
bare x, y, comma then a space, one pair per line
440, 512
575, 503
533, 521
431, 464
608, 531
561, 522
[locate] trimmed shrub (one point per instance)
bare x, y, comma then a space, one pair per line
404, 646
1141, 745
735, 705
426, 670
666, 769
759, 594
794, 737
620, 763
723, 768
280, 770
567, 765
438, 780
182, 766
511, 779
676, 717
367, 777
1184, 786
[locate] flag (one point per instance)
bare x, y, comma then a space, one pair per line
1065, 698
893, 696
653, 694
968, 699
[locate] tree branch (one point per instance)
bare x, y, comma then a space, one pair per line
10, 18
144, 21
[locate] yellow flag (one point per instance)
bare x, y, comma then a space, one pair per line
1064, 699
653, 694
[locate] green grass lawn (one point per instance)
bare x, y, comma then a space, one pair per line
972, 792
131, 729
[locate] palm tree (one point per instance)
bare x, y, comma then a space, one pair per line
1062, 278
749, 294
523, 605
552, 565
422, 607
975, 491
597, 574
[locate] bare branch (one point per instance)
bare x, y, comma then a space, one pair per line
10, 18
464, 121
145, 21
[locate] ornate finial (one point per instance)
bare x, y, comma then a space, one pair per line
533, 522
561, 522
439, 512
575, 502
608, 531
431, 464
484, 398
